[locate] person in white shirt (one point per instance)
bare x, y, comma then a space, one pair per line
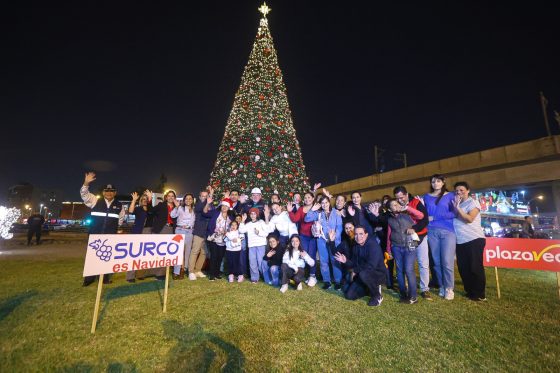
185, 222
293, 263
281, 222
233, 252
257, 230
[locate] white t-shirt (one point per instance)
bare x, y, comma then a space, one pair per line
464, 231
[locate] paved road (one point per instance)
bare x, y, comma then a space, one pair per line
54, 246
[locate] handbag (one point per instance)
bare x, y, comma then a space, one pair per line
212, 237
317, 228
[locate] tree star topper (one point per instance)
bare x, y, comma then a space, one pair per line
264, 9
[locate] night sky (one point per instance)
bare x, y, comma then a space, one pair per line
147, 87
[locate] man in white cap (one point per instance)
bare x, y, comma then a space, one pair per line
256, 201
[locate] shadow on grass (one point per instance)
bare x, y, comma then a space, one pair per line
9, 305
111, 368
130, 290
197, 349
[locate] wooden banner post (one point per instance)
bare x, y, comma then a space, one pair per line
166, 288
497, 282
97, 299
558, 281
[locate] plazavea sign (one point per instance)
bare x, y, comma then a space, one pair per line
539, 255
112, 253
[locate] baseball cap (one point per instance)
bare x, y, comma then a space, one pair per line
109, 188
256, 191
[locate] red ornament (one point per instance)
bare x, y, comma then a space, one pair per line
289, 160
259, 126
261, 97
269, 154
279, 123
267, 51
232, 147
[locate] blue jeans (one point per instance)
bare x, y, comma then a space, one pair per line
271, 274
243, 257
309, 244
423, 264
255, 261
325, 257
404, 259
442, 244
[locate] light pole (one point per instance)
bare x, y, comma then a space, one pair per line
540, 197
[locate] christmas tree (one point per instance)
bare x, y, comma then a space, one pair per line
259, 147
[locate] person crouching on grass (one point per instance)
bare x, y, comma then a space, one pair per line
273, 260
233, 252
293, 263
368, 268
257, 231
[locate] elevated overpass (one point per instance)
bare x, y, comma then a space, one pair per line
523, 164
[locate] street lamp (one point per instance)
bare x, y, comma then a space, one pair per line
539, 197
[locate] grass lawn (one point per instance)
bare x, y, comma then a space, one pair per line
45, 320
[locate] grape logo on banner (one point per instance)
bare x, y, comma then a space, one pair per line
540, 255
102, 251
112, 253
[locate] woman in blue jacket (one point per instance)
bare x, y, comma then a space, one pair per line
322, 213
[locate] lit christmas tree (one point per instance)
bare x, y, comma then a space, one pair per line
260, 147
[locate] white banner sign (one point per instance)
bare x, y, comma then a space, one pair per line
112, 253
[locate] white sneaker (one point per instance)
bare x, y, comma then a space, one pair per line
240, 278
299, 286
312, 281
200, 274
230, 278
192, 276
284, 288
449, 294
442, 292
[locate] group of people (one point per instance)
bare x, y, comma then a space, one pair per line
357, 246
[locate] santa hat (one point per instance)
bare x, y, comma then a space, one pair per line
227, 202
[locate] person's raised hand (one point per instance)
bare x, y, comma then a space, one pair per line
89, 177
373, 208
316, 207
351, 210
316, 186
326, 193
134, 196
289, 206
243, 218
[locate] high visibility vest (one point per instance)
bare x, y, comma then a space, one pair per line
105, 220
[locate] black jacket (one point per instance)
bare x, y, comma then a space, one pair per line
276, 259
368, 258
159, 214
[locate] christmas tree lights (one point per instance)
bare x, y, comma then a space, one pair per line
8, 216
260, 147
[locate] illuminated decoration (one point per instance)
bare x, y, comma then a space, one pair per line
260, 147
8, 216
